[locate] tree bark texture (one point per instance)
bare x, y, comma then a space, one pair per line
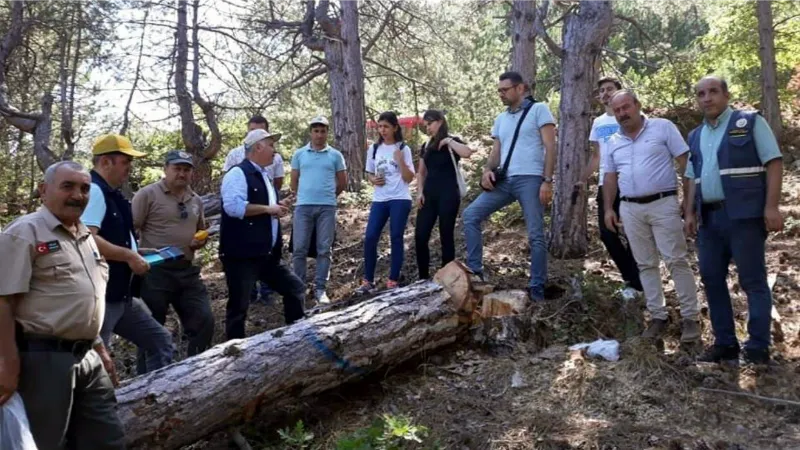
523, 40
346, 78
37, 124
194, 139
770, 105
585, 32
231, 382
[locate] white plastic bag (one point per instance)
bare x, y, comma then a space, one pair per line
608, 350
15, 431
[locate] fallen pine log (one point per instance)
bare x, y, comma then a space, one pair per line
230, 383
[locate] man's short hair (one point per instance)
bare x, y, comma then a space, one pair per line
512, 76
722, 82
260, 120
604, 80
50, 173
629, 93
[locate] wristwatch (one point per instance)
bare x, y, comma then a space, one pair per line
548, 180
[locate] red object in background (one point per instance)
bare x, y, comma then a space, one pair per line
405, 122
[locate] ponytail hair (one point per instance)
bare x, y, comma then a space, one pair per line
432, 115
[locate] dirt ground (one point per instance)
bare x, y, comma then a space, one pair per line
560, 400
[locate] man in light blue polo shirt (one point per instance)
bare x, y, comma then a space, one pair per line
318, 177
529, 179
740, 173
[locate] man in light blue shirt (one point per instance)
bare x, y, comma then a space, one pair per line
318, 177
528, 180
737, 164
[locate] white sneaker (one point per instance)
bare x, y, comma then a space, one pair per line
322, 297
629, 294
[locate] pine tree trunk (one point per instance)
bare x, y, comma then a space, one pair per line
770, 105
585, 32
523, 40
346, 77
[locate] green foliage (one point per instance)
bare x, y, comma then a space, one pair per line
387, 433
296, 438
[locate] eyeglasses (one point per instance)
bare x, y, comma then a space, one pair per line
184, 212
502, 91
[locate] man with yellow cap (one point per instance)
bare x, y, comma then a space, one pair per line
108, 216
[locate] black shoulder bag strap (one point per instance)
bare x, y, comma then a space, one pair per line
516, 135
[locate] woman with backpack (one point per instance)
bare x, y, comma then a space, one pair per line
390, 168
440, 188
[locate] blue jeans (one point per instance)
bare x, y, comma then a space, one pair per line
306, 219
397, 211
525, 190
721, 239
132, 321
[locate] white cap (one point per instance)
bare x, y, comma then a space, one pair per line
259, 135
319, 120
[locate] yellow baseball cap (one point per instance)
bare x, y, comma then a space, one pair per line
115, 143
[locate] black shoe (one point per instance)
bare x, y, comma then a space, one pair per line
720, 353
754, 356
534, 296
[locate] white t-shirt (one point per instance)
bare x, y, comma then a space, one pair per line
602, 129
395, 188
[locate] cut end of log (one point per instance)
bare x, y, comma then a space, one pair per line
504, 303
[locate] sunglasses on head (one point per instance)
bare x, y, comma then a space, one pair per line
184, 212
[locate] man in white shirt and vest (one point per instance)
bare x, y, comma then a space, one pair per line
732, 190
274, 171
250, 236
640, 164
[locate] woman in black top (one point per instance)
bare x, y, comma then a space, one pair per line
438, 196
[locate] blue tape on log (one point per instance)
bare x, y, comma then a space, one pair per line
331, 355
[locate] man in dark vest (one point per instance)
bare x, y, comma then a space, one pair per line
250, 235
732, 189
108, 216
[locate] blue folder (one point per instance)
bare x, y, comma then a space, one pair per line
163, 255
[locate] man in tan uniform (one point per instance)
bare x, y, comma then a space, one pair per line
169, 213
51, 310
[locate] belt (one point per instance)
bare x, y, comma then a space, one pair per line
649, 198
713, 206
29, 343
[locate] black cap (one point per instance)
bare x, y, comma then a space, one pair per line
178, 157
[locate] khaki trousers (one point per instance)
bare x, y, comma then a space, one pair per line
656, 228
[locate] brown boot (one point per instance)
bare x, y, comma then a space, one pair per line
690, 330
656, 329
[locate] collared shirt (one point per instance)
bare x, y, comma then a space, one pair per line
318, 169
529, 151
603, 128
237, 155
164, 219
60, 277
234, 195
96, 210
645, 164
710, 139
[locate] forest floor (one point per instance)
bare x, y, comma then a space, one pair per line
559, 399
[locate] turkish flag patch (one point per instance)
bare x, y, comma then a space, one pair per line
44, 248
